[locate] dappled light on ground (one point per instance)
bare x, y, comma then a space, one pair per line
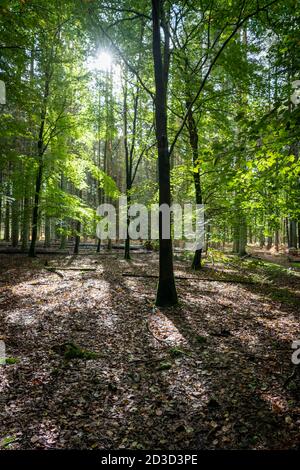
209, 373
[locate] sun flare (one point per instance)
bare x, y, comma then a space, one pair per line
103, 61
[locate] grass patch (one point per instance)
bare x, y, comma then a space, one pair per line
7, 441
11, 360
164, 366
283, 295
176, 352
71, 351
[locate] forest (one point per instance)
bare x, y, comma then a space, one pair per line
118, 329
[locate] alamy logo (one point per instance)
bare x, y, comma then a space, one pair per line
2, 353
2, 92
181, 222
295, 98
296, 354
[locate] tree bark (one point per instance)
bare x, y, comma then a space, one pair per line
166, 290
39, 176
193, 137
15, 223
293, 234
77, 237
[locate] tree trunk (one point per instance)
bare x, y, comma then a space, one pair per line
77, 237
277, 240
261, 239
47, 242
293, 234
6, 222
242, 236
0, 204
236, 238
35, 213
39, 176
166, 290
127, 240
128, 166
15, 223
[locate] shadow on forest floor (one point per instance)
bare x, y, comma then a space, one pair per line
208, 374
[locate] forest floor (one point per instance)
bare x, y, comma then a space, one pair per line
92, 364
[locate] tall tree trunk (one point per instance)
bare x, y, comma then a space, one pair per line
236, 236
39, 176
166, 290
127, 240
250, 234
35, 213
193, 137
277, 240
242, 236
1, 177
15, 223
47, 242
25, 224
261, 238
128, 165
6, 221
293, 233
77, 237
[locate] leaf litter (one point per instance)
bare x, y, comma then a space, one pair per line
96, 365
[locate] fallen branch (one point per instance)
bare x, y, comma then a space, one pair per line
194, 278
52, 270
58, 268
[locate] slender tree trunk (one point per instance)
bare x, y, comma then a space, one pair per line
77, 237
269, 242
25, 221
1, 178
250, 235
236, 237
63, 235
293, 233
277, 240
166, 290
15, 223
35, 213
7, 218
47, 242
128, 164
287, 232
127, 240
193, 137
39, 176
242, 236
99, 190
261, 238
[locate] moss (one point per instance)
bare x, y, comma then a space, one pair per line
11, 360
71, 351
176, 352
164, 366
